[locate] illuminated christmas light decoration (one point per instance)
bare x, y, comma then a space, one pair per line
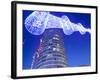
38, 21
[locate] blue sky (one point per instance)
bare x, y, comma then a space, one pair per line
77, 46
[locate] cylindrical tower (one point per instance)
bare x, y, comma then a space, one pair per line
51, 53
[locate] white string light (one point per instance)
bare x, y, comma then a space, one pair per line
38, 21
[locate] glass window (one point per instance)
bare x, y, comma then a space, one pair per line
57, 49
49, 55
49, 47
56, 35
55, 38
54, 49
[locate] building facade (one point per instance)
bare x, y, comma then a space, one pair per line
51, 52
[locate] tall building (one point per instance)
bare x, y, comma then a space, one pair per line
51, 52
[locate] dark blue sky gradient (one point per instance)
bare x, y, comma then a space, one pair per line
77, 46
